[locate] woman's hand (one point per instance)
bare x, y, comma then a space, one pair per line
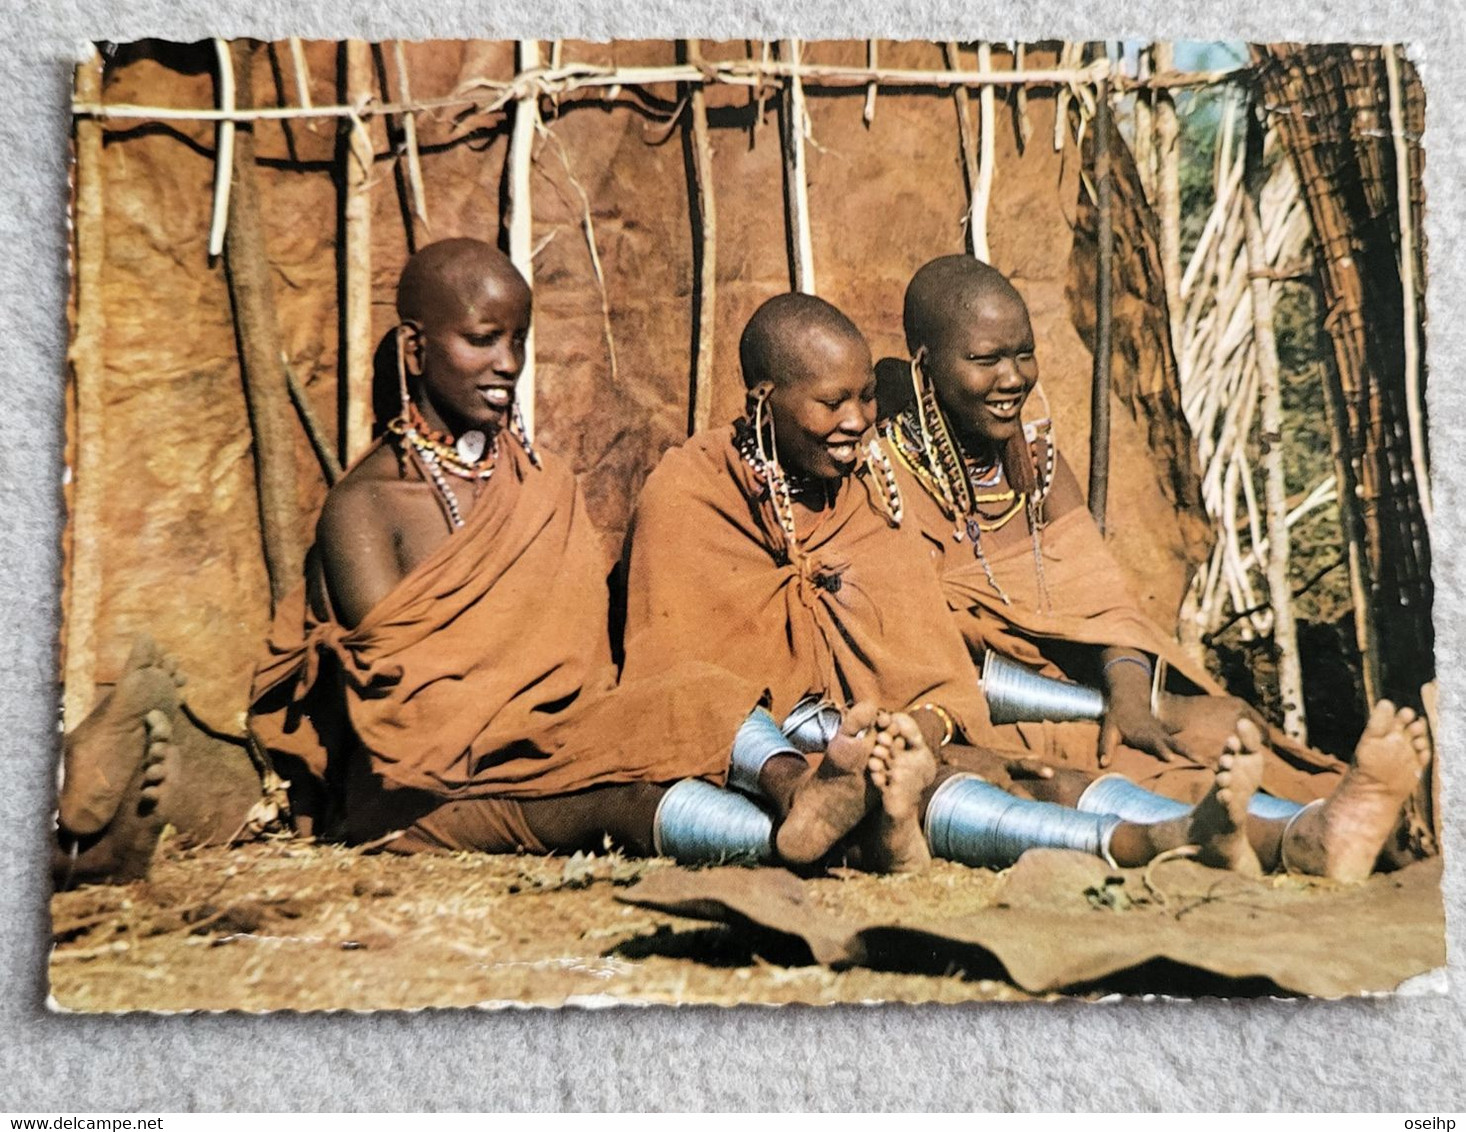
1128, 718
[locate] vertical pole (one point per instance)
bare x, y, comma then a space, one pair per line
409, 142
963, 101
1414, 403
1168, 188
987, 150
88, 370
1280, 590
356, 287
707, 210
1099, 406
521, 216
252, 298
795, 174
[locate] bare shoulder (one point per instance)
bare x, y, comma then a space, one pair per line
365, 497
357, 535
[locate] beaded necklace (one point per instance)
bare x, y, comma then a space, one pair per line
783, 487
439, 453
923, 442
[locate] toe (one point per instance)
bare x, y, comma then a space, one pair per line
1380, 719
1248, 735
859, 717
159, 726
144, 652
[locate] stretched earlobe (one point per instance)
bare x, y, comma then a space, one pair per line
410, 347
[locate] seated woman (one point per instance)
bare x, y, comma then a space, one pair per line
1025, 571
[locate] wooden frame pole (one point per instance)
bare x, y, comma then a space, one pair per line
521, 215
1099, 405
701, 416
1270, 394
796, 179
356, 287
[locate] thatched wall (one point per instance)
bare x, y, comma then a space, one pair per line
179, 547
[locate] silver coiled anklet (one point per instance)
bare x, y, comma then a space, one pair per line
812, 724
1116, 794
698, 823
759, 739
971, 821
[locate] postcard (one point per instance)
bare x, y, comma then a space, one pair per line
697, 522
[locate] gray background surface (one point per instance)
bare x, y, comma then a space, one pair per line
1395, 1054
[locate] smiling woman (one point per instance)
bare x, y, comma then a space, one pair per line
970, 333
465, 314
814, 368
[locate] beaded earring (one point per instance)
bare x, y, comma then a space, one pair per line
889, 491
402, 391
771, 471
520, 433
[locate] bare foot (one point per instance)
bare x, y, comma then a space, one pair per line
1341, 836
1217, 825
830, 802
124, 850
902, 767
103, 751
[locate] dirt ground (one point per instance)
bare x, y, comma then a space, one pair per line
291, 925
303, 927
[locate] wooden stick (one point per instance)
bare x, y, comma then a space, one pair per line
1099, 405
224, 157
793, 121
1068, 54
968, 146
252, 298
588, 228
701, 416
578, 76
521, 217
1025, 124
409, 138
88, 372
302, 72
987, 141
1285, 630
320, 445
356, 346
1414, 403
872, 63
1168, 187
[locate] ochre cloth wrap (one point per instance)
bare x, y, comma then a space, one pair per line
855, 615
487, 672
1090, 604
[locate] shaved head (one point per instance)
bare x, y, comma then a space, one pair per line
776, 342
946, 293
450, 277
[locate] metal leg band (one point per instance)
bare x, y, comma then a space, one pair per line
812, 724
1288, 865
758, 740
1116, 794
699, 824
1016, 694
976, 823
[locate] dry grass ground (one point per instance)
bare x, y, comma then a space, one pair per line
294, 926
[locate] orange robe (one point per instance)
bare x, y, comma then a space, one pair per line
486, 672
849, 614
1089, 603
